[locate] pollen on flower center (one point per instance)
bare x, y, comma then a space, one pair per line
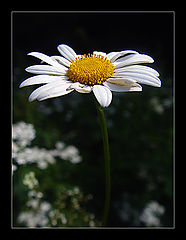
90, 69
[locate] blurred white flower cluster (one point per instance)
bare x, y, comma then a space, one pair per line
36, 215
152, 213
67, 210
40, 213
22, 135
70, 153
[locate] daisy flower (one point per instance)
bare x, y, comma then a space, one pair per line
98, 72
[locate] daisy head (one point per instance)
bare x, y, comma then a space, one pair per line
98, 72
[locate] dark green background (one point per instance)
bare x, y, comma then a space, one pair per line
141, 139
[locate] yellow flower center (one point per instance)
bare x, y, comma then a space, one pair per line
90, 69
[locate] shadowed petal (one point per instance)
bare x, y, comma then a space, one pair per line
47, 90
133, 59
57, 91
137, 68
121, 81
141, 78
114, 55
119, 88
81, 88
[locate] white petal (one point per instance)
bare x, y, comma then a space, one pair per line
62, 60
138, 68
47, 59
121, 81
118, 88
103, 95
142, 78
114, 55
111, 54
40, 79
45, 69
133, 59
55, 92
67, 52
41, 89
48, 91
81, 88
99, 53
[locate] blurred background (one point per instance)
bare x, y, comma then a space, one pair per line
58, 165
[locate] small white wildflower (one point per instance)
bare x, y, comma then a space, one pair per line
76, 190
158, 107
151, 213
23, 133
60, 145
54, 222
42, 164
34, 203
63, 218
51, 213
75, 203
91, 223
45, 206
71, 153
30, 180
39, 195
69, 192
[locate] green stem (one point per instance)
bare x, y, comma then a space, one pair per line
107, 162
